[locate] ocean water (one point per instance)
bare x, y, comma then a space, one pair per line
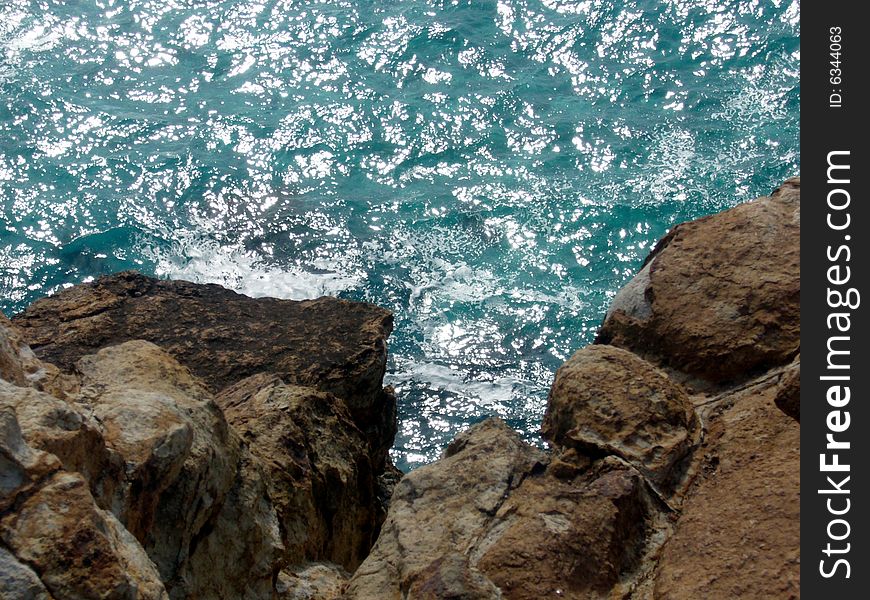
492, 171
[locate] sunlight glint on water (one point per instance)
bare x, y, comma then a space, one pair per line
490, 171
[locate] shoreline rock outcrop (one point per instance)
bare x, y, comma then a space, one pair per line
646, 419
221, 444
329, 344
673, 469
167, 440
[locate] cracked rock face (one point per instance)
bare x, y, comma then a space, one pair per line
312, 581
452, 576
223, 337
490, 521
69, 432
570, 538
175, 499
79, 550
320, 474
18, 581
56, 542
739, 532
135, 467
185, 472
719, 298
608, 401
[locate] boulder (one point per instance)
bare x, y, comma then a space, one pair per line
55, 542
570, 538
23, 467
78, 549
180, 456
238, 553
718, 298
333, 345
190, 493
443, 508
607, 401
321, 476
303, 482
489, 520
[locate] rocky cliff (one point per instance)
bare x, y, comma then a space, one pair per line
673, 469
166, 439
162, 439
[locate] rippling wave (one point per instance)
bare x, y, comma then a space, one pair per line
492, 171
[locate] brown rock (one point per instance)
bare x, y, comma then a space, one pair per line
451, 576
788, 394
321, 477
191, 494
739, 533
13, 354
238, 553
569, 539
68, 431
718, 298
489, 521
79, 550
607, 401
19, 365
48, 422
312, 581
333, 345
171, 468
185, 488
444, 508
18, 581
54, 539
23, 468
179, 452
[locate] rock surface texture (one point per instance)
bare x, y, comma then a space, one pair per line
606, 400
719, 297
664, 436
322, 478
167, 440
190, 442
223, 337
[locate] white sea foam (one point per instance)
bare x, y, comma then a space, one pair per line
206, 261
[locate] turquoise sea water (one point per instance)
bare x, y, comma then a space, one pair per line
492, 171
